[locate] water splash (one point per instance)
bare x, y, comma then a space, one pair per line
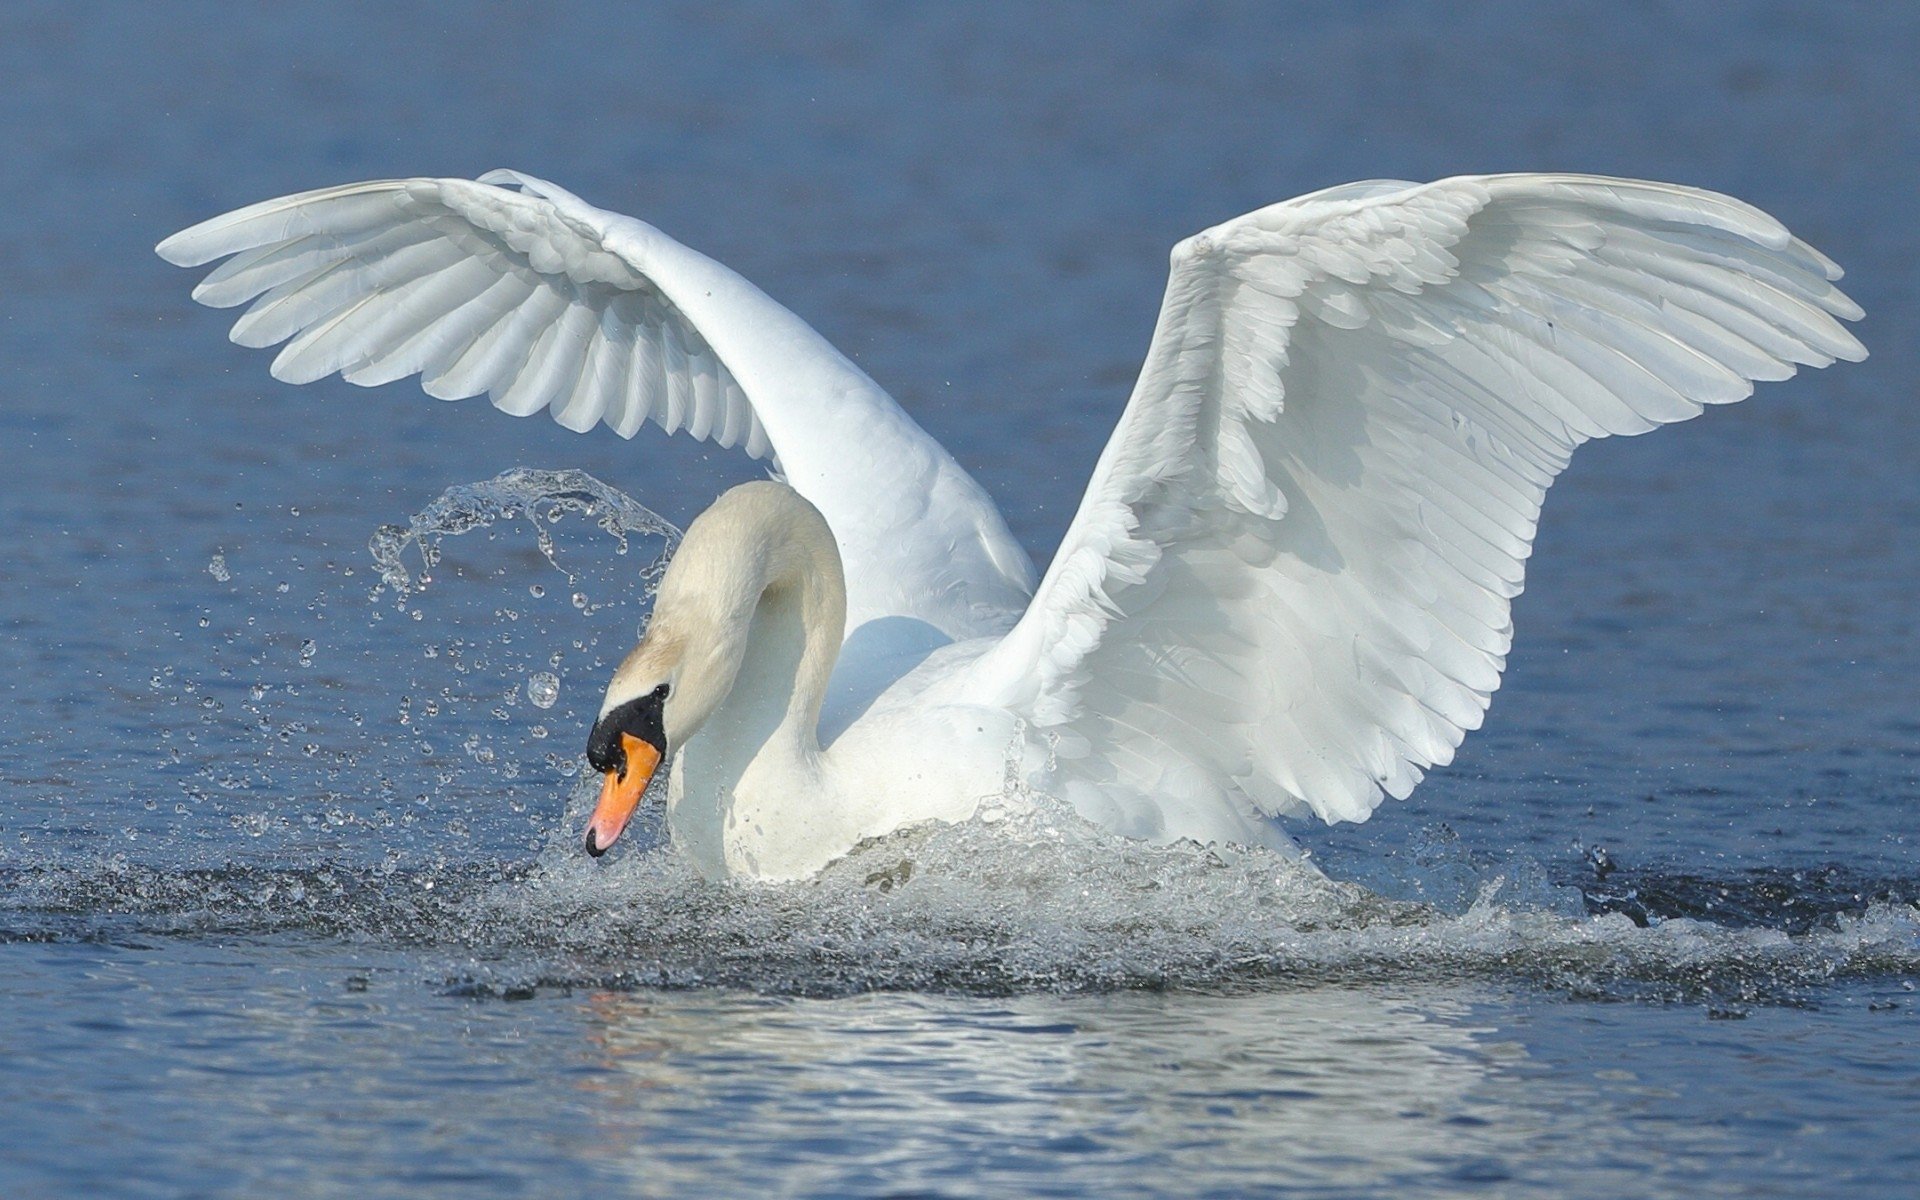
1039, 901
310, 712
541, 498
394, 782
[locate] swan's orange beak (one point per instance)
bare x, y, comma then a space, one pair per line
621, 793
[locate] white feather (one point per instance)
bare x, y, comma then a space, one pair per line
514, 287
1441, 349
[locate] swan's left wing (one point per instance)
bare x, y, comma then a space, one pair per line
1287, 589
513, 287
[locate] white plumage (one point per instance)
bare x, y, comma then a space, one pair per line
1287, 588
541, 301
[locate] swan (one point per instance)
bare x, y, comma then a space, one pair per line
1286, 591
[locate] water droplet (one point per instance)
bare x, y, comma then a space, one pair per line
217, 567
543, 688
307, 650
537, 590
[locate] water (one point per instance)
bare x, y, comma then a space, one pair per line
289, 896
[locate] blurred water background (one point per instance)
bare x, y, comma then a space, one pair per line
288, 898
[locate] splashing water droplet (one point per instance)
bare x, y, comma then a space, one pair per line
539, 497
217, 567
543, 688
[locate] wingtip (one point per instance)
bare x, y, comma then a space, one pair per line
1854, 350
177, 249
196, 245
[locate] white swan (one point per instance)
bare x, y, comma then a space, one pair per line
1285, 592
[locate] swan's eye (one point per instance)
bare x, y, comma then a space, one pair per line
642, 718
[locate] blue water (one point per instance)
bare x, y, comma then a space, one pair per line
288, 902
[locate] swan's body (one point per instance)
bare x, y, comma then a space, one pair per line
1286, 591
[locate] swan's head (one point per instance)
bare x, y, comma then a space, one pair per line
757, 540
658, 698
626, 746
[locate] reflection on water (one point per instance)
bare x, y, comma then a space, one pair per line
1320, 1090
307, 1055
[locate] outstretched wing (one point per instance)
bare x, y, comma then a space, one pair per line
1287, 589
542, 301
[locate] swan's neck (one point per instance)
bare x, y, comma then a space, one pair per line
766, 573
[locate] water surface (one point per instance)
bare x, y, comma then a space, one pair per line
289, 902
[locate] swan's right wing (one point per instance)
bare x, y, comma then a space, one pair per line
1288, 587
513, 287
